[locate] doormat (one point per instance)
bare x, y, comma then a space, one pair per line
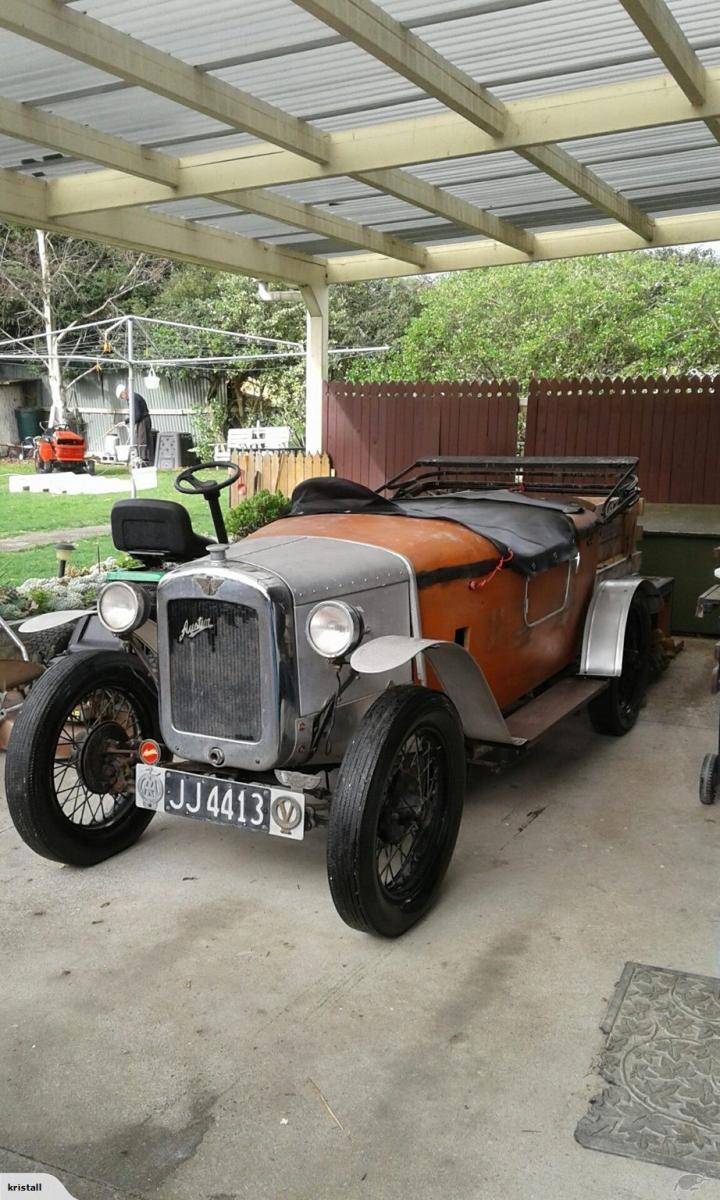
661, 1064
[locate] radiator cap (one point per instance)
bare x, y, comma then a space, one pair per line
218, 554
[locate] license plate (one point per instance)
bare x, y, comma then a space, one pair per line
251, 806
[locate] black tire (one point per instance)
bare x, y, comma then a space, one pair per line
90, 466
44, 644
42, 467
368, 796
51, 718
709, 779
616, 710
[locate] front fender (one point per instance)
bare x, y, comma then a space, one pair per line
605, 624
461, 678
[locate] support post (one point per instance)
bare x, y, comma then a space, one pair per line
315, 298
131, 408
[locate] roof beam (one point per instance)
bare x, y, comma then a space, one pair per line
308, 216
444, 204
659, 27
364, 23
23, 201
539, 120
70, 32
596, 239
31, 124
371, 28
70, 137
579, 179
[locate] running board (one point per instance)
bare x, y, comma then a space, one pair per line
559, 701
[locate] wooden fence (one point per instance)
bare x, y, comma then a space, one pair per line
279, 471
372, 430
671, 423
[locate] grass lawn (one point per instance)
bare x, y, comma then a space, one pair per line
40, 563
28, 512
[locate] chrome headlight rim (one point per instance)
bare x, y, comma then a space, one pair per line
139, 610
354, 628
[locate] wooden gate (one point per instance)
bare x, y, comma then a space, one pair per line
275, 471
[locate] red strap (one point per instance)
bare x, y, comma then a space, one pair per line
475, 585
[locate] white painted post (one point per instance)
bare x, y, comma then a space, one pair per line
131, 406
316, 363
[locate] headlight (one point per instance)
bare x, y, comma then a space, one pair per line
121, 607
333, 628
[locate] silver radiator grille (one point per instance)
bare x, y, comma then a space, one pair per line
215, 674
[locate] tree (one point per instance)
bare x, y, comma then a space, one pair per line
623, 314
271, 391
50, 285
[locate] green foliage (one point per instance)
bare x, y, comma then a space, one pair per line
270, 391
255, 511
39, 597
623, 314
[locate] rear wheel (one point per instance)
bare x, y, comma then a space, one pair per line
616, 710
709, 779
70, 774
396, 812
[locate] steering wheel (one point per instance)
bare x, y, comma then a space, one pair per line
206, 487
210, 490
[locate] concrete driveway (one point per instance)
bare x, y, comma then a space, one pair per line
192, 1020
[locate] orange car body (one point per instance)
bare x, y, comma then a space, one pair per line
485, 611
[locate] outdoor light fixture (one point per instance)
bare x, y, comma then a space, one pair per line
63, 551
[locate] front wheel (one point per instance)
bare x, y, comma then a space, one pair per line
396, 813
70, 770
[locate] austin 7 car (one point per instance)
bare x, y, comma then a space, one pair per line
341, 667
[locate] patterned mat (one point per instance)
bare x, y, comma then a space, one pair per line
661, 1063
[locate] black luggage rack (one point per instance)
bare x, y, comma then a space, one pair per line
614, 478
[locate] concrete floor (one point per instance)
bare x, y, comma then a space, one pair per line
192, 1020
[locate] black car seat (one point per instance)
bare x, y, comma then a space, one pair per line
156, 530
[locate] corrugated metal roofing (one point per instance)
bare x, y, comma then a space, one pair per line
274, 50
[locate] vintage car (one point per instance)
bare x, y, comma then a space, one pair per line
342, 666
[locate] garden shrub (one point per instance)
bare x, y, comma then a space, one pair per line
254, 512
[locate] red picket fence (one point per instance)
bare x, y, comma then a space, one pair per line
671, 423
372, 430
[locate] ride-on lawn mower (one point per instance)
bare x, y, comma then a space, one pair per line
61, 449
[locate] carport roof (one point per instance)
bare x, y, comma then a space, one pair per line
327, 140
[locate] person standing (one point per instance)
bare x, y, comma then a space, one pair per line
141, 440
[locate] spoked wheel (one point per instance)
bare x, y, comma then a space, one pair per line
396, 812
616, 710
709, 779
71, 761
